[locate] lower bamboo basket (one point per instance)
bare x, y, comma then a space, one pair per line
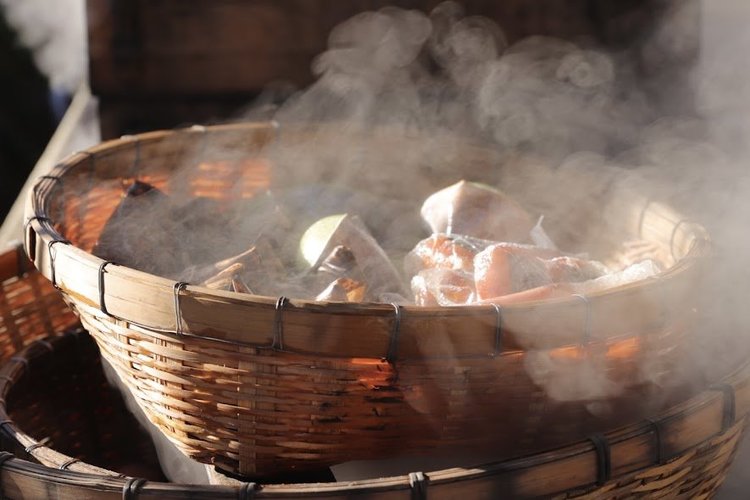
684, 452
30, 307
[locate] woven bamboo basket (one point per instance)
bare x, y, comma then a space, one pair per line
683, 452
256, 385
30, 307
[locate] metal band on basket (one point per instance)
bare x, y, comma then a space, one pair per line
392, 353
20, 360
131, 488
278, 327
247, 491
658, 441
102, 305
729, 414
418, 484
674, 234
586, 338
178, 287
603, 458
68, 463
498, 330
39, 444
52, 256
44, 344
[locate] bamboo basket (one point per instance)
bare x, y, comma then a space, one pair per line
257, 385
683, 452
30, 308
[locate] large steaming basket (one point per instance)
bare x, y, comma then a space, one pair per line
261, 384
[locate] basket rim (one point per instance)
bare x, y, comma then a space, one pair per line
657, 441
45, 245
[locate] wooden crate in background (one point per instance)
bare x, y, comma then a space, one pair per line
161, 63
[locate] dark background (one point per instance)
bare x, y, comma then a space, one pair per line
26, 118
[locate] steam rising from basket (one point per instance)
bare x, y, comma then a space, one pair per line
262, 384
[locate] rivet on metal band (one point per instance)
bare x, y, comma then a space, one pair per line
587, 320
278, 327
102, 304
247, 491
418, 484
131, 488
603, 458
68, 463
498, 330
658, 442
178, 287
392, 353
729, 415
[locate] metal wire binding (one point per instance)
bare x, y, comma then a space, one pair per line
674, 233
102, 305
39, 218
395, 333
418, 484
603, 458
39, 444
179, 286
68, 463
587, 321
44, 344
247, 491
278, 327
498, 331
53, 274
729, 415
19, 359
659, 444
131, 487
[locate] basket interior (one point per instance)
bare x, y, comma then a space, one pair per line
590, 210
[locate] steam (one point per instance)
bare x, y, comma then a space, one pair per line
570, 112
55, 32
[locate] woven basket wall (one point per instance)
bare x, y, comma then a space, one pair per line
257, 385
683, 452
30, 307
